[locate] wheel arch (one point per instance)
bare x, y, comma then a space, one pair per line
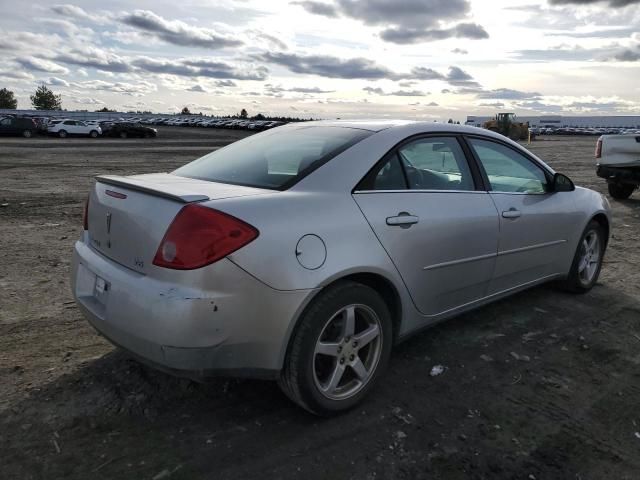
378, 282
603, 220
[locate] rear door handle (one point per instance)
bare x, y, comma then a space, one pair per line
512, 213
403, 219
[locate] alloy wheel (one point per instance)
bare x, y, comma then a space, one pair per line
589, 257
347, 352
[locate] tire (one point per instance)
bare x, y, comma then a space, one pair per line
62, 134
93, 134
123, 134
582, 277
621, 191
27, 134
307, 373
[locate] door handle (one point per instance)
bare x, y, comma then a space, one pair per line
403, 219
512, 213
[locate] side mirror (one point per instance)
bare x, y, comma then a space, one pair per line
562, 183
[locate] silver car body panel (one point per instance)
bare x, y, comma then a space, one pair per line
461, 253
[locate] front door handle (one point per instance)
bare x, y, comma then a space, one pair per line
403, 219
512, 213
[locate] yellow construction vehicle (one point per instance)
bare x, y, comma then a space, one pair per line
505, 124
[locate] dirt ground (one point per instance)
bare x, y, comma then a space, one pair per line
543, 385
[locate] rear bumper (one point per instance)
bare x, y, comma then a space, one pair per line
619, 174
236, 326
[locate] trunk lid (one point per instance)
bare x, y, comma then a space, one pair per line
129, 216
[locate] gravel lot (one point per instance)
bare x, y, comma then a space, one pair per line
542, 385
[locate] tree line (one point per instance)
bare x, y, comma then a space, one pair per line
42, 99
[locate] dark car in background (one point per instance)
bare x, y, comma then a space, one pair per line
25, 127
126, 129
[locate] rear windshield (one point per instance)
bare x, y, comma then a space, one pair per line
275, 159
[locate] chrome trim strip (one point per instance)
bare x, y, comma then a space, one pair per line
461, 261
421, 191
491, 255
531, 247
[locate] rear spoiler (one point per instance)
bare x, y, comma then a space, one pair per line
145, 187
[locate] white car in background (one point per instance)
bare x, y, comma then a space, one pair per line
74, 127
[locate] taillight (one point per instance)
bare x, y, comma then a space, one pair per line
199, 236
599, 148
85, 215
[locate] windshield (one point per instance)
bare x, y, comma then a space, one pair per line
276, 159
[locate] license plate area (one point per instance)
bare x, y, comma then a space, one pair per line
101, 289
91, 289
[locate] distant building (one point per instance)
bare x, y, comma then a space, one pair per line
560, 121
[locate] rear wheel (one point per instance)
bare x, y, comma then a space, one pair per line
62, 134
27, 134
621, 191
93, 134
339, 350
587, 261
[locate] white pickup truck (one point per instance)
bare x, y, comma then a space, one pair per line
618, 158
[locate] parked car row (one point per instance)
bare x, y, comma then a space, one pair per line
583, 131
29, 126
213, 123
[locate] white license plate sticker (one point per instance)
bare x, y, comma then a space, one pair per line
101, 285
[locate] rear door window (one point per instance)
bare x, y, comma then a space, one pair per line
436, 163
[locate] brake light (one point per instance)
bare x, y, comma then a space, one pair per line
599, 148
199, 236
85, 215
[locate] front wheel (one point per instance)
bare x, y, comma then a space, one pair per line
587, 261
339, 350
621, 191
62, 134
93, 134
27, 134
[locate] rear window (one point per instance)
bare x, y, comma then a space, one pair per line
276, 159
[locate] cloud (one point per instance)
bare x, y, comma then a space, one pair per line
139, 88
460, 78
327, 66
611, 3
271, 41
424, 73
200, 67
226, 83
73, 11
56, 81
407, 21
41, 65
397, 93
627, 55
460, 51
87, 101
508, 94
177, 32
374, 90
319, 8
492, 105
402, 35
197, 88
106, 61
97, 58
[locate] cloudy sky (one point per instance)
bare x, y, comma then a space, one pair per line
425, 59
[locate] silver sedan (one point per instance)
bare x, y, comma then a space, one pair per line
303, 253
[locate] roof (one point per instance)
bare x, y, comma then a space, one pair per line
379, 125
